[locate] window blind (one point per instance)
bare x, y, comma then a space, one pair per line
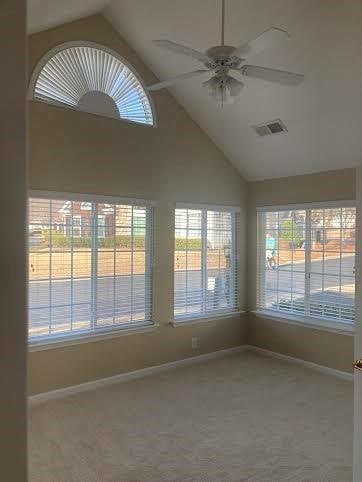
89, 266
206, 262
306, 261
70, 72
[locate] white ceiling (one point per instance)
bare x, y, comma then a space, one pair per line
323, 115
43, 14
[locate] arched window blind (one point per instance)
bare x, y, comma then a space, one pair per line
91, 78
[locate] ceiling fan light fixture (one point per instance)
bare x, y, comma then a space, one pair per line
235, 86
211, 84
223, 88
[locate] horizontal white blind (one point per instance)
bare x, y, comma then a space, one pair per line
206, 262
89, 266
306, 262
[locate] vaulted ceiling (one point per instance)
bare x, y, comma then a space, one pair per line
322, 115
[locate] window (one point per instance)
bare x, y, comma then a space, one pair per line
206, 261
89, 266
73, 226
91, 78
306, 261
102, 226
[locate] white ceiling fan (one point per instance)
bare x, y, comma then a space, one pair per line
222, 59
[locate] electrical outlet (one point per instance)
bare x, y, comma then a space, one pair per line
194, 342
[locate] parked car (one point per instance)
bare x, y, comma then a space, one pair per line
36, 238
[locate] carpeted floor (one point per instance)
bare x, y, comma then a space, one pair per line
242, 418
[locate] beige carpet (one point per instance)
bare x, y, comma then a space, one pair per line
242, 418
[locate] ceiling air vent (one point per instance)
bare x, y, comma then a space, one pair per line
271, 127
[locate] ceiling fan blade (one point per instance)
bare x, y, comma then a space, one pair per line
173, 80
181, 49
266, 40
271, 75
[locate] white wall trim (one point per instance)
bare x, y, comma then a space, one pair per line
127, 376
209, 207
326, 204
178, 322
143, 372
341, 328
299, 361
79, 339
73, 196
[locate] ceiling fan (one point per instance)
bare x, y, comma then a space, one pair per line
222, 59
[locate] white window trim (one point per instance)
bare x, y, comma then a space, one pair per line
340, 327
43, 343
78, 339
192, 318
77, 226
326, 324
72, 196
196, 320
208, 207
349, 203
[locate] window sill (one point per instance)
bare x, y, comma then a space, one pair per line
207, 319
78, 339
342, 328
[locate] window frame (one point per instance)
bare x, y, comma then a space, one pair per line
305, 319
64, 339
76, 227
207, 315
103, 225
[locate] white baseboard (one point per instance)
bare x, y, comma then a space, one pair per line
307, 364
143, 372
125, 377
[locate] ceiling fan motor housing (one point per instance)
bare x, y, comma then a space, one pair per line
223, 57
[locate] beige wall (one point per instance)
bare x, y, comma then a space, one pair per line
12, 243
330, 349
78, 152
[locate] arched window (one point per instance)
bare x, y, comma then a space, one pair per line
91, 78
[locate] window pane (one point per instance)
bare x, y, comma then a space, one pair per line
317, 264
219, 263
298, 283
348, 264
271, 299
188, 273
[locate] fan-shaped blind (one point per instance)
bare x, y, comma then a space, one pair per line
91, 79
